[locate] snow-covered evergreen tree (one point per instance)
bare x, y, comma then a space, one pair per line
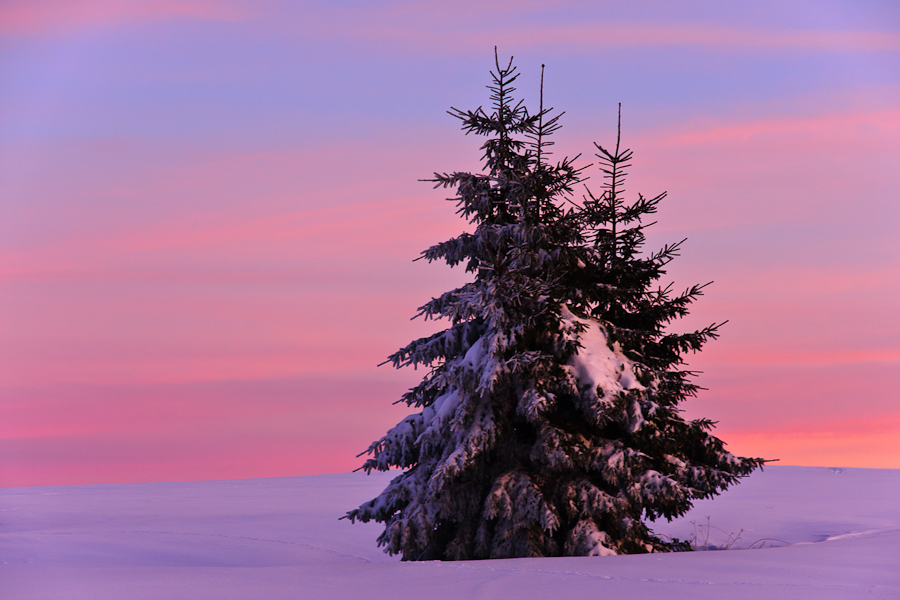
548, 423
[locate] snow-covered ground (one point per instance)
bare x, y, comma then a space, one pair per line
825, 533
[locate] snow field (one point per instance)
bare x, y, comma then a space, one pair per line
827, 533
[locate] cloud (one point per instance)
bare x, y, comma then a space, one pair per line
622, 35
78, 434
23, 17
844, 442
99, 433
845, 127
224, 216
802, 170
805, 358
434, 30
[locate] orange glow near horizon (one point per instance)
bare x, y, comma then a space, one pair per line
870, 442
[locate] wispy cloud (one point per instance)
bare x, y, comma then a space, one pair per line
827, 443
432, 30
626, 35
27, 17
229, 215
219, 244
805, 358
815, 129
100, 433
732, 38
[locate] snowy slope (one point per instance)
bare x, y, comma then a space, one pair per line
838, 532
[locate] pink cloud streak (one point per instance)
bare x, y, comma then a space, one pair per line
97, 434
605, 35
26, 17
782, 169
858, 127
872, 442
743, 357
432, 30
316, 233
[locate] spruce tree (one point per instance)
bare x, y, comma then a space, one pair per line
548, 423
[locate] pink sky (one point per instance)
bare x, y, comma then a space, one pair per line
210, 211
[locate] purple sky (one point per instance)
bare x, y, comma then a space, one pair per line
208, 213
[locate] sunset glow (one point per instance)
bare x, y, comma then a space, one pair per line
210, 212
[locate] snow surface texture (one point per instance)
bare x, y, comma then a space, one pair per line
827, 533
